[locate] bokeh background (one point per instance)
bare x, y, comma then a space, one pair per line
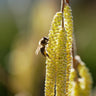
22, 24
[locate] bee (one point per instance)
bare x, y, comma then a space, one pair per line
42, 46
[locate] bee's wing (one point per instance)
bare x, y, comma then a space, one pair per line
37, 50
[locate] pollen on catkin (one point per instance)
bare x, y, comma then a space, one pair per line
73, 74
74, 86
83, 85
56, 64
59, 49
51, 61
61, 64
68, 24
85, 80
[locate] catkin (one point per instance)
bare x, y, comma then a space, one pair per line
59, 49
86, 79
68, 24
51, 60
83, 85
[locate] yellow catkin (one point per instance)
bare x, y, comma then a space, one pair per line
76, 90
85, 80
61, 64
83, 85
73, 74
74, 85
50, 61
68, 24
59, 49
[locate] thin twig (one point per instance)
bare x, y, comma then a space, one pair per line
63, 2
74, 51
75, 62
67, 1
62, 10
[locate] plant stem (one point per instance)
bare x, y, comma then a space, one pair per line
62, 10
75, 62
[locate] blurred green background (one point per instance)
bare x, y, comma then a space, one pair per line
22, 24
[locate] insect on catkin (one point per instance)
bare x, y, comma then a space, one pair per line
59, 49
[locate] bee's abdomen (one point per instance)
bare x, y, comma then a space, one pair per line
43, 51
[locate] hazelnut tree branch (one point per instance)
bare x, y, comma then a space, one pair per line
62, 10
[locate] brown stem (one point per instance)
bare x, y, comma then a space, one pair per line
63, 2
62, 10
67, 1
74, 53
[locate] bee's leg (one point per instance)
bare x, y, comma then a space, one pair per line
47, 55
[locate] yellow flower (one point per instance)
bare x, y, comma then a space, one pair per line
86, 79
83, 85
68, 24
59, 49
52, 52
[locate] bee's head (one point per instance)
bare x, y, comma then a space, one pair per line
44, 41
